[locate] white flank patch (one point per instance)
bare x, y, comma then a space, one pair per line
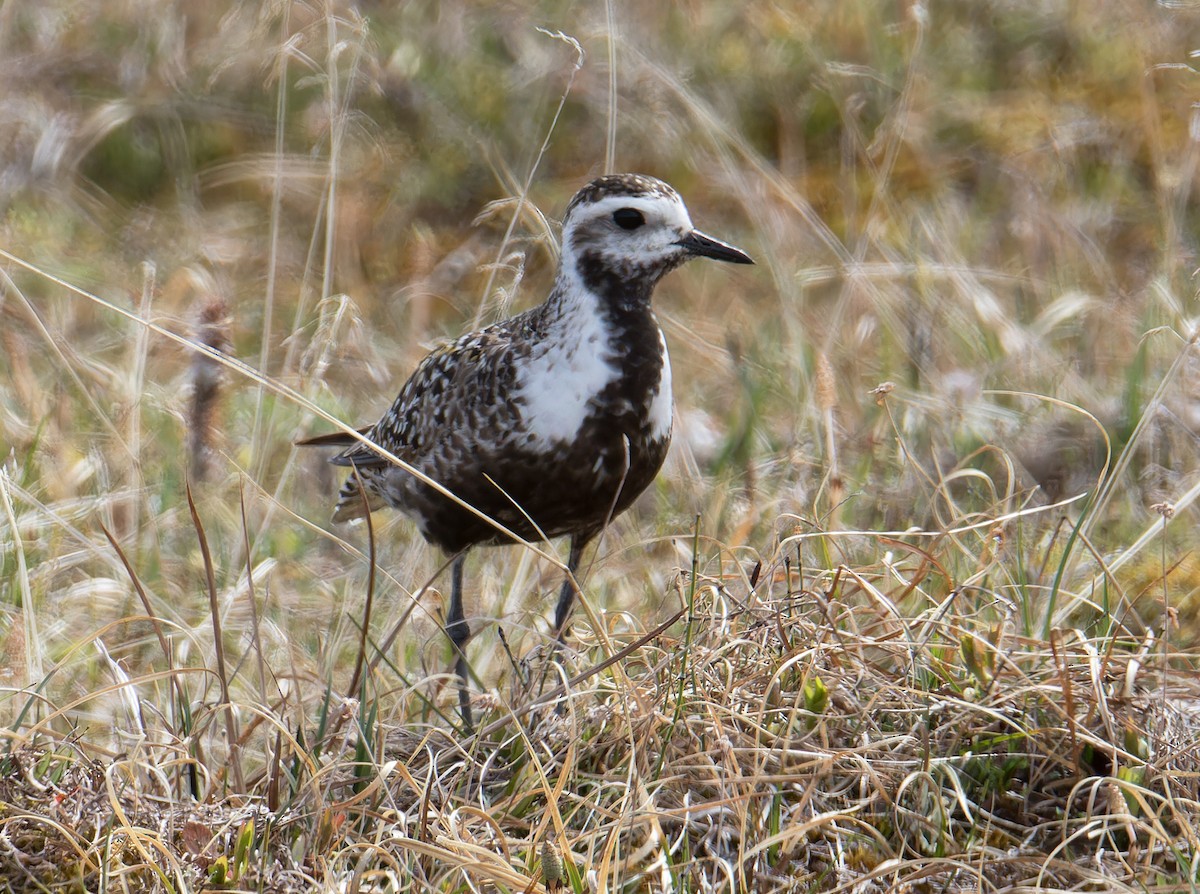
662, 406
566, 372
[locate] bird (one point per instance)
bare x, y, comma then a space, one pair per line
550, 422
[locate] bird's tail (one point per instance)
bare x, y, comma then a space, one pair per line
332, 439
350, 504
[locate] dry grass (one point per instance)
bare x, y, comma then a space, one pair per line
914, 605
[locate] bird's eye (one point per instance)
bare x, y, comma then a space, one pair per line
628, 218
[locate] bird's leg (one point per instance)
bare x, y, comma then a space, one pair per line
459, 632
578, 541
566, 597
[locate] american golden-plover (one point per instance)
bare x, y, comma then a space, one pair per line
553, 421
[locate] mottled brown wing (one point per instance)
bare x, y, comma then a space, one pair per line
457, 396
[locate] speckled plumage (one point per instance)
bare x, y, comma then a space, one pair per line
553, 421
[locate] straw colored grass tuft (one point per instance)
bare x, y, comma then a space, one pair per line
913, 605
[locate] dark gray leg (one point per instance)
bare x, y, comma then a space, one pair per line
566, 597
459, 632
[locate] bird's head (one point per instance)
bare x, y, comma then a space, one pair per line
635, 227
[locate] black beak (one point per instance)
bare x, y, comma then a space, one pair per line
707, 247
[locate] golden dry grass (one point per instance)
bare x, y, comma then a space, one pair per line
913, 606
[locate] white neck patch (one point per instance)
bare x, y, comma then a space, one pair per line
570, 367
662, 406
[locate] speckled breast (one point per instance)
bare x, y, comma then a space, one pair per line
570, 486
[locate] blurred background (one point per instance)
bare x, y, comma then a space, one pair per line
975, 230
